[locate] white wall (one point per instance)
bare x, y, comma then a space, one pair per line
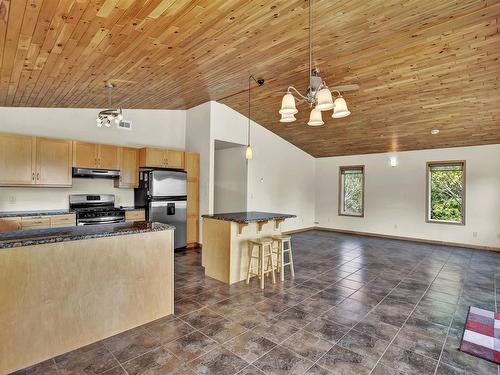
396, 196
198, 140
57, 198
230, 180
161, 128
281, 177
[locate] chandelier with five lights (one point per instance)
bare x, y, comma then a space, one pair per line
318, 95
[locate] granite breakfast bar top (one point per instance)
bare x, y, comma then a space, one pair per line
249, 216
52, 235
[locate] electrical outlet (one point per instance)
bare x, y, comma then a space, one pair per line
474, 234
12, 199
317, 223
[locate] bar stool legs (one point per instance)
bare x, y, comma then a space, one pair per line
280, 255
264, 257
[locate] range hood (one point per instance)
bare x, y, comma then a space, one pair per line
95, 173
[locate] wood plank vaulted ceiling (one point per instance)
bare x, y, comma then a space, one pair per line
420, 63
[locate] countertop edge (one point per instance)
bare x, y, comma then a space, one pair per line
57, 236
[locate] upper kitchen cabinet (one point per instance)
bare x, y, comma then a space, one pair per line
161, 158
175, 159
91, 155
17, 158
34, 161
129, 168
53, 162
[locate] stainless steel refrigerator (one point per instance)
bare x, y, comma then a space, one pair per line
163, 194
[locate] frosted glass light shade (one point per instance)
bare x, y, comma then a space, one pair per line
325, 101
288, 105
340, 109
315, 118
287, 118
249, 153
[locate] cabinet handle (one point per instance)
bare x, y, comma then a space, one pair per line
33, 177
38, 176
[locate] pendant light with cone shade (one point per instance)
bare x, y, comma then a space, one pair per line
260, 82
318, 95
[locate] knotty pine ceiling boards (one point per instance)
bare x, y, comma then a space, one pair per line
421, 64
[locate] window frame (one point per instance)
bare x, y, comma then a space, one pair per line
429, 164
341, 190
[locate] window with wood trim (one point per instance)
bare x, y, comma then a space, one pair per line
352, 190
446, 192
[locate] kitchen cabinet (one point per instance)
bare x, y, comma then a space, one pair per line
35, 222
68, 220
34, 161
175, 159
10, 224
53, 162
135, 215
128, 162
161, 158
193, 200
17, 158
92, 155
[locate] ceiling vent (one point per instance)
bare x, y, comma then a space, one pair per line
125, 125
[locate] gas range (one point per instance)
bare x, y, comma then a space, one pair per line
96, 209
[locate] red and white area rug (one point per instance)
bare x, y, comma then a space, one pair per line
482, 334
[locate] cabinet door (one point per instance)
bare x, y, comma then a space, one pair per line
175, 159
193, 182
53, 162
108, 157
153, 157
35, 222
17, 154
129, 168
10, 224
84, 155
136, 215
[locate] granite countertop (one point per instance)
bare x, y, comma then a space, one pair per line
63, 211
51, 235
249, 217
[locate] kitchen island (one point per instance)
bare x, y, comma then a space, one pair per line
64, 288
225, 241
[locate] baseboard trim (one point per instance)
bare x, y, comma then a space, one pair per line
299, 230
412, 239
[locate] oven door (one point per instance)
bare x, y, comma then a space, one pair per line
101, 220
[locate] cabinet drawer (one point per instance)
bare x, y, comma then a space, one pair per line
63, 220
137, 215
10, 224
35, 222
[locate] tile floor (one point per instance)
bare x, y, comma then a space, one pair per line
358, 305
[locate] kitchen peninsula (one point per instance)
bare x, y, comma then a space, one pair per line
225, 241
64, 288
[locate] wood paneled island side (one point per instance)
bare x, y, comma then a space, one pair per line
64, 288
225, 241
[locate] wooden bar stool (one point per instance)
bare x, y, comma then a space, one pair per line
283, 239
265, 247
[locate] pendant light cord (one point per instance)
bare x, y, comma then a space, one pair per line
249, 80
310, 44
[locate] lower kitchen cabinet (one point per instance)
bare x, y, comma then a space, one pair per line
135, 215
10, 224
